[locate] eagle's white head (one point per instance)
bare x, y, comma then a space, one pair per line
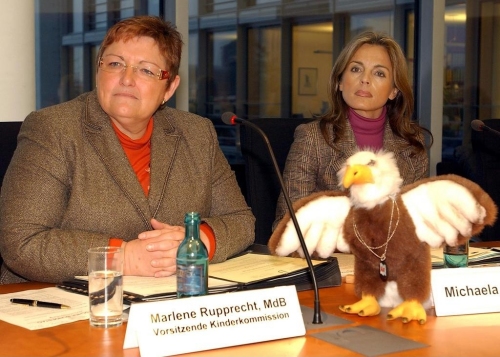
371, 177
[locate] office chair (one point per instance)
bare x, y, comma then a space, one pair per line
8, 143
486, 152
262, 185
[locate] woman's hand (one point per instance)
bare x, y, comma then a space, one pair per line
154, 252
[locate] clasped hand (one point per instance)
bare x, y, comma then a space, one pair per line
154, 252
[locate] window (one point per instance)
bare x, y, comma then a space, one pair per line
312, 52
264, 72
454, 70
221, 83
374, 21
271, 84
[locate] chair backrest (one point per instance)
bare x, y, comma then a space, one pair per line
486, 150
8, 143
262, 184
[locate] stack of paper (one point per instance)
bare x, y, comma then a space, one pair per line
248, 271
477, 256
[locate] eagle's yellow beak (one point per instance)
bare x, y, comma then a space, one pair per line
357, 174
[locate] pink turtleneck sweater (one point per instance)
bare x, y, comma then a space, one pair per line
369, 133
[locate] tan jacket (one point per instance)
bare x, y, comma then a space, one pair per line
312, 164
70, 187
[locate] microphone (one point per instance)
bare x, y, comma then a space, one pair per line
231, 119
478, 125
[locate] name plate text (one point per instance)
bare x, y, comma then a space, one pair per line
463, 291
170, 327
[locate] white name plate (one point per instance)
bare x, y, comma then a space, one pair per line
170, 327
463, 291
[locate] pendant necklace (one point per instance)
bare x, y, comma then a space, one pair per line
383, 269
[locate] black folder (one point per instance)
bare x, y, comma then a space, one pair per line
327, 274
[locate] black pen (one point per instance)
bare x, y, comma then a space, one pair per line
35, 303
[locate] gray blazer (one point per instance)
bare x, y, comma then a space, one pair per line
312, 164
70, 186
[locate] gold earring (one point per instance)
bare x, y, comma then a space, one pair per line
163, 102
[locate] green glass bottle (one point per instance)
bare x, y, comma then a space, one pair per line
457, 256
192, 260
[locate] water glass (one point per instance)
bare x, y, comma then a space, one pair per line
105, 270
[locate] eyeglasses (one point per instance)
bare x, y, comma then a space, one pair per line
115, 64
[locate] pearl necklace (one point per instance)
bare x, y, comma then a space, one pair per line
383, 269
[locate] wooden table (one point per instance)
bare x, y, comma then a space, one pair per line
468, 335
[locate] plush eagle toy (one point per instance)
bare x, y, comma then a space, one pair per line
388, 229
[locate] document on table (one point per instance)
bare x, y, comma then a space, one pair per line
144, 288
250, 267
147, 286
346, 263
34, 318
248, 271
477, 257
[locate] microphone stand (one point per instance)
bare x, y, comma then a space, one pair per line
233, 120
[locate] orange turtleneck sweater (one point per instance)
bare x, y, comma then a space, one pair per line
138, 152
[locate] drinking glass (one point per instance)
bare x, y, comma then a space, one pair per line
105, 270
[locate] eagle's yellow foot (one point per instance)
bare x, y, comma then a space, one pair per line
409, 310
367, 306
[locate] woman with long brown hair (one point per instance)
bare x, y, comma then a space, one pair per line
371, 107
